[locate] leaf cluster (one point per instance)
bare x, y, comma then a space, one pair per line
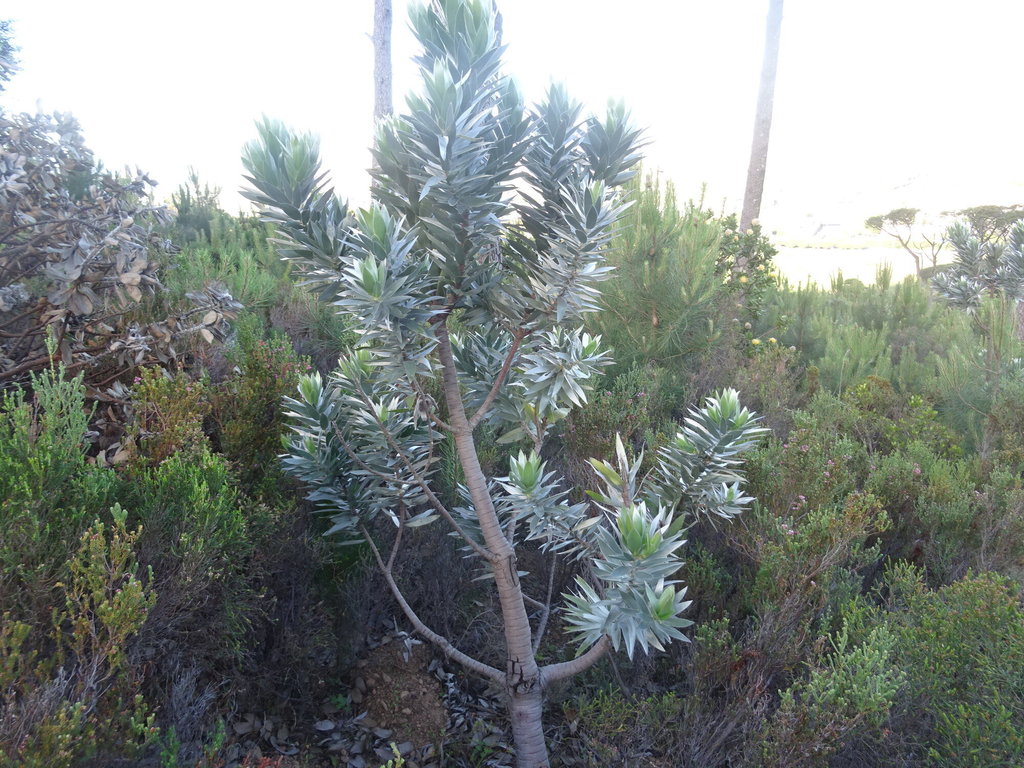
983, 268
79, 249
487, 242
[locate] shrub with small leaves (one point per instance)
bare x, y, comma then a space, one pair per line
630, 406
48, 491
67, 691
168, 413
249, 406
851, 688
747, 259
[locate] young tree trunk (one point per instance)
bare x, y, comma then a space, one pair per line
382, 100
763, 119
526, 713
522, 675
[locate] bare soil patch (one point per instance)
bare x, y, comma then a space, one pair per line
403, 696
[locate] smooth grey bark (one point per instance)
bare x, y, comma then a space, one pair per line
522, 675
763, 119
382, 98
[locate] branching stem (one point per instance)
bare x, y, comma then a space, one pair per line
555, 672
441, 642
517, 339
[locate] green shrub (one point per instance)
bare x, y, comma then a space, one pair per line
807, 561
851, 331
616, 728
249, 406
630, 406
191, 504
204, 541
852, 353
253, 281
961, 648
708, 577
1006, 426
662, 301
169, 410
48, 491
67, 689
810, 469
850, 689
886, 420
772, 381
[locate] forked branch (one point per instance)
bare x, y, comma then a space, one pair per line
440, 641
420, 480
485, 406
554, 672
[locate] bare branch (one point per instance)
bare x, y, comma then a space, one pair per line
402, 516
542, 625
438, 421
421, 481
532, 601
517, 340
441, 642
554, 672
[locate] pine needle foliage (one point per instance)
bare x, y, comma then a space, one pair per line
660, 303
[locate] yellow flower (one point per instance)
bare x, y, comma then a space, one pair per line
772, 340
755, 342
743, 278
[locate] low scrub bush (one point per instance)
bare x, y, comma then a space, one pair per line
631, 406
849, 690
249, 405
68, 690
49, 493
771, 378
169, 410
961, 649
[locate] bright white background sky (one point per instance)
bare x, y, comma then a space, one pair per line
879, 103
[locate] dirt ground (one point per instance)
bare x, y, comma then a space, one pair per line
403, 696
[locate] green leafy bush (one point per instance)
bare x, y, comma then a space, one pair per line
631, 406
249, 406
850, 689
48, 491
169, 410
746, 259
772, 379
67, 689
961, 648
851, 331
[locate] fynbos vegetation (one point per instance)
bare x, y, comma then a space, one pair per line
528, 462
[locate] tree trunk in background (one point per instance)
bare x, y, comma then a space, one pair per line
763, 119
382, 101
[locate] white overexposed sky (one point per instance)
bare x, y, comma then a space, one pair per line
879, 103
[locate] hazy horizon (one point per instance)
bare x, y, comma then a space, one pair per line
878, 105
